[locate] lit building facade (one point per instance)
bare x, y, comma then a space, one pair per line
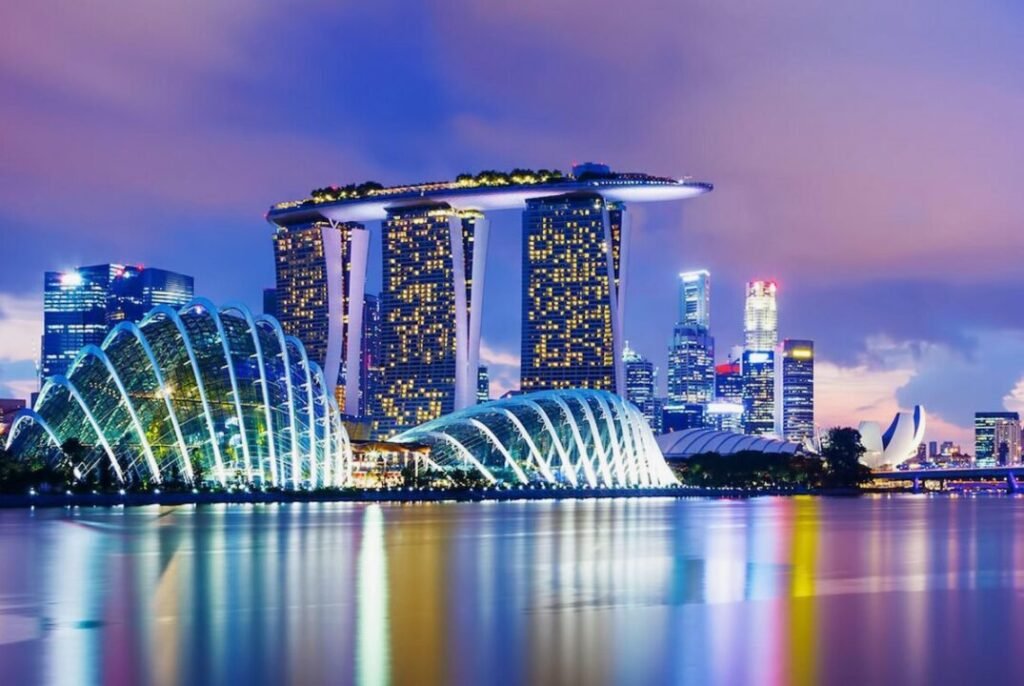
581, 236
797, 415
483, 385
319, 265
996, 437
370, 369
547, 437
641, 377
192, 394
729, 383
80, 306
430, 307
761, 317
691, 365
758, 392
695, 298
572, 257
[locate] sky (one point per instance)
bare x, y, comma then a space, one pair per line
866, 155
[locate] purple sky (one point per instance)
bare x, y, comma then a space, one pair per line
867, 156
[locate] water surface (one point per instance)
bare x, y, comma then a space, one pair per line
898, 589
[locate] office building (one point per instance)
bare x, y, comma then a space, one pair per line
724, 416
691, 365
80, 306
797, 392
370, 368
995, 439
933, 449
729, 383
641, 377
761, 321
318, 266
695, 298
430, 307
483, 384
571, 316
758, 368
1006, 442
682, 416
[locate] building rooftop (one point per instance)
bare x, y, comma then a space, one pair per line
487, 190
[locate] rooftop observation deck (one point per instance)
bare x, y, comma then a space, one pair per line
488, 190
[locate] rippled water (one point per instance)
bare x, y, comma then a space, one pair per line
911, 589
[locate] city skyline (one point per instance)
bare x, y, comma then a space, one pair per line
208, 172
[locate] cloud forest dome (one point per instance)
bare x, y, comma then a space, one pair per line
193, 394
487, 190
577, 437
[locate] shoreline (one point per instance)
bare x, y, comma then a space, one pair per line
52, 500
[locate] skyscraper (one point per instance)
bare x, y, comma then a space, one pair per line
996, 437
370, 357
691, 365
640, 381
430, 305
758, 391
695, 298
483, 385
729, 383
760, 321
797, 390
319, 265
572, 301
80, 306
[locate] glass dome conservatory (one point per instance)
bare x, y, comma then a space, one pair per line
196, 394
578, 437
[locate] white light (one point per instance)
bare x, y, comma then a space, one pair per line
72, 279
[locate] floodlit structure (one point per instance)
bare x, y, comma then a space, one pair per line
682, 445
581, 437
196, 393
899, 442
434, 237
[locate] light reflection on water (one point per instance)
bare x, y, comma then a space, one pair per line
769, 591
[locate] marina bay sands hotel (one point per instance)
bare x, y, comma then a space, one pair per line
576, 236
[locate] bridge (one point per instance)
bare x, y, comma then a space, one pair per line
917, 477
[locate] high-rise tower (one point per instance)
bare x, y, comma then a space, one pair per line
695, 298
321, 276
573, 281
797, 390
761, 320
640, 380
80, 306
430, 307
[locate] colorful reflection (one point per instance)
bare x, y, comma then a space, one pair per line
624, 591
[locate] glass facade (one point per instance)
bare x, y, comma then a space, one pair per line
758, 392
576, 437
80, 306
798, 390
640, 382
571, 270
986, 446
695, 298
691, 365
194, 394
761, 317
370, 365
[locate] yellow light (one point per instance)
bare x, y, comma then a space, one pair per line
802, 353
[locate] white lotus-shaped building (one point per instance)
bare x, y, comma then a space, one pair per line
196, 393
899, 442
575, 437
